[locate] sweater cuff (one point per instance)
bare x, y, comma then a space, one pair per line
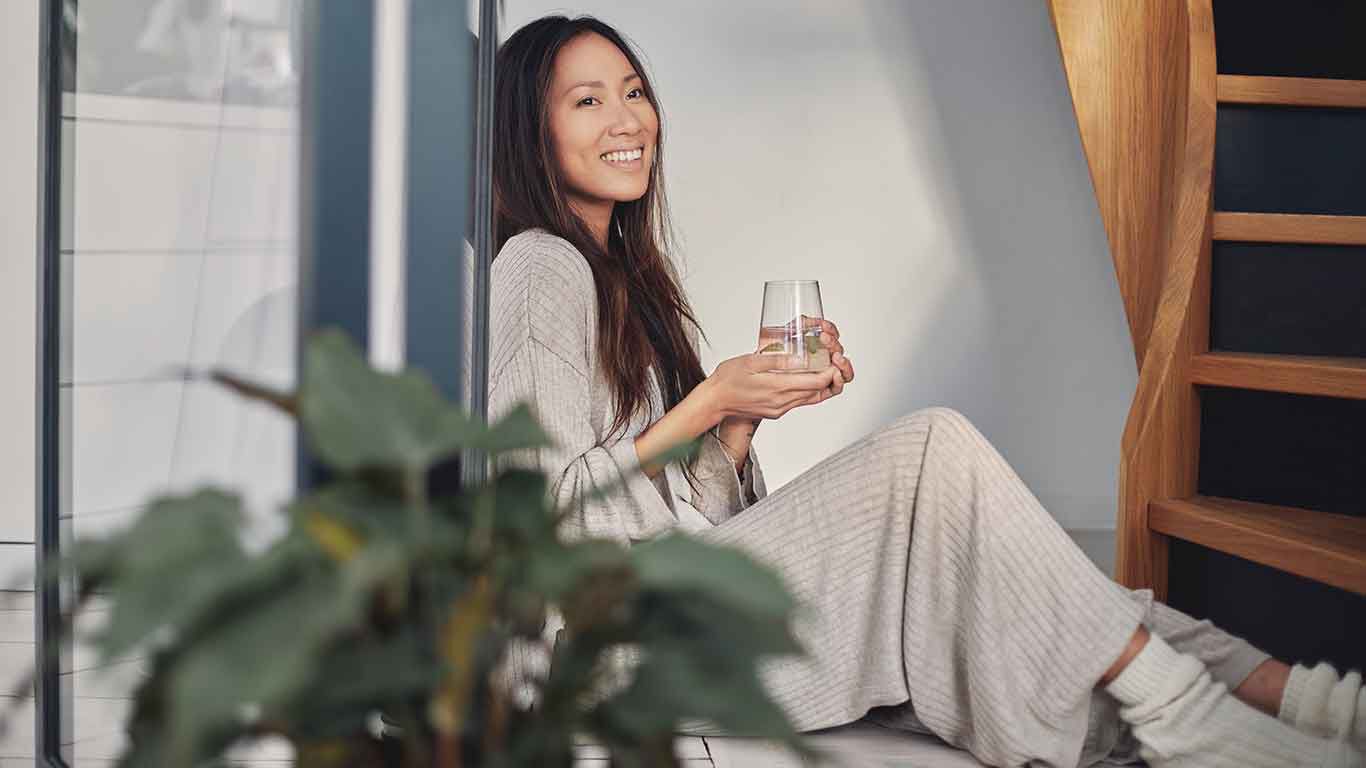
720, 493
636, 483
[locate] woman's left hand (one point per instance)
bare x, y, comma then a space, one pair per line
830, 337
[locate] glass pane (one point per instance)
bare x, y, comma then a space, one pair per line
180, 138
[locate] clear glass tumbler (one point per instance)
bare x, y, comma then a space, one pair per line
790, 326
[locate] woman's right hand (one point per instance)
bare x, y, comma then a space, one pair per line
746, 386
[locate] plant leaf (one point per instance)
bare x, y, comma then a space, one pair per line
684, 565
556, 570
522, 509
362, 674
356, 417
263, 659
517, 430
193, 537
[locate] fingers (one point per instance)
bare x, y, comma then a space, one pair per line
845, 366
763, 363
838, 359
828, 383
786, 382
837, 383
830, 337
834, 388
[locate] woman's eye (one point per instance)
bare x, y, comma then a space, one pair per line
635, 93
587, 101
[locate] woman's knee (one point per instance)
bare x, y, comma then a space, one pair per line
939, 420
913, 437
951, 452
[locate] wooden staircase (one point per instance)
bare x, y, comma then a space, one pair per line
1147, 98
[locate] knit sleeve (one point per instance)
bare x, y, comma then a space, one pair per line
541, 316
721, 492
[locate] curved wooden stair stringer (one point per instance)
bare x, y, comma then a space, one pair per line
1143, 84
1108, 56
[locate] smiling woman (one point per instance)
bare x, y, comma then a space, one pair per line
604, 132
577, 153
939, 593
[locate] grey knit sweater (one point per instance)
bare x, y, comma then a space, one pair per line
543, 350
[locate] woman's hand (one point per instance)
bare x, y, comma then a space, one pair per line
830, 337
746, 387
740, 393
741, 389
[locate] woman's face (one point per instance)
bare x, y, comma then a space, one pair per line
602, 126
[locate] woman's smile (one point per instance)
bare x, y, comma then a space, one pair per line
625, 160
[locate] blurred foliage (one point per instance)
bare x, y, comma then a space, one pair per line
371, 631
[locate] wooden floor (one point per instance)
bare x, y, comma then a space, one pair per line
861, 745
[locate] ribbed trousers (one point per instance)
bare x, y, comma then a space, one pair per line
936, 587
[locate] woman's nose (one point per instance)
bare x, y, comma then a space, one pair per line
626, 122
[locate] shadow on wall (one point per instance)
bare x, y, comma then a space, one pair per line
1061, 361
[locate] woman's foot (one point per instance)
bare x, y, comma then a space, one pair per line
1181, 717
1320, 702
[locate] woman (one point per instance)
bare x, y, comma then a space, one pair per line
945, 598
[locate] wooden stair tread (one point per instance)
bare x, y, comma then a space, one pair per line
1289, 228
1321, 546
1291, 91
1343, 377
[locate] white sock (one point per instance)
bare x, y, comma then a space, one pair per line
1319, 702
1181, 717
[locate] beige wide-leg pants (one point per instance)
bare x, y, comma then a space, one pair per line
938, 589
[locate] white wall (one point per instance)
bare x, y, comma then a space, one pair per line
18, 283
921, 159
18, 384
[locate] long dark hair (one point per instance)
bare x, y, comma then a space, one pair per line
641, 307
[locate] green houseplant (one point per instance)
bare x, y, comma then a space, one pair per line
385, 609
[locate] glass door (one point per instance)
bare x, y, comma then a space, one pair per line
211, 196
176, 254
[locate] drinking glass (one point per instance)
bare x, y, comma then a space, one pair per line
790, 326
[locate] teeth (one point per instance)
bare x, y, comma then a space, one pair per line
623, 157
